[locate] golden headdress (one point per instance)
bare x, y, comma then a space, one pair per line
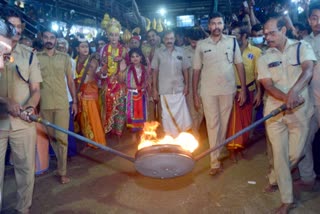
105, 21
113, 26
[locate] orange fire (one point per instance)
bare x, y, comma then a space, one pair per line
149, 138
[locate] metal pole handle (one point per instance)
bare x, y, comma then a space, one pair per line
248, 128
38, 119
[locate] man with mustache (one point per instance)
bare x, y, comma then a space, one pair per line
20, 87
170, 81
54, 104
285, 71
215, 58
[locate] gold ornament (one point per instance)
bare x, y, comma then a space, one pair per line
154, 24
136, 30
159, 26
148, 23
126, 36
105, 21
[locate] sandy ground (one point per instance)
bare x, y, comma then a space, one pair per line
104, 183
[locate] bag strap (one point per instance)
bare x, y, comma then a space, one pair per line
298, 55
18, 71
31, 58
85, 72
234, 48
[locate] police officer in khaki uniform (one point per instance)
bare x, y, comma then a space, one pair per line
285, 71
20, 87
214, 58
54, 104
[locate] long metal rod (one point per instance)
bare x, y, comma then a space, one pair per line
105, 148
248, 128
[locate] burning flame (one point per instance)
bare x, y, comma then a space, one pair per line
149, 138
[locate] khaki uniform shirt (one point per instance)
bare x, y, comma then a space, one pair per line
217, 59
284, 71
170, 66
14, 87
315, 82
54, 69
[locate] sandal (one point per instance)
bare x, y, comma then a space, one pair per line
215, 171
285, 208
271, 188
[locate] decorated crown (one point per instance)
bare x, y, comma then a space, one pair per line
113, 26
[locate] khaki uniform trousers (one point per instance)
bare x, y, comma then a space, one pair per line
217, 111
288, 140
306, 170
58, 140
22, 143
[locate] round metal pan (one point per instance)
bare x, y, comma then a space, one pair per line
163, 161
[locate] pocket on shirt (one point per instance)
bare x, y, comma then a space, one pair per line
44, 70
60, 68
214, 57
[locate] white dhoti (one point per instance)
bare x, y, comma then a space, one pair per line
175, 114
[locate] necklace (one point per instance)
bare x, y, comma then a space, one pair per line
109, 54
79, 74
136, 75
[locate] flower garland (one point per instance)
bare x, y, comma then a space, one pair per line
135, 76
111, 66
80, 74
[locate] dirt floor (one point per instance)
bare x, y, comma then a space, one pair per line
104, 183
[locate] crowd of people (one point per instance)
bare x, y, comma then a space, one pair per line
108, 86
